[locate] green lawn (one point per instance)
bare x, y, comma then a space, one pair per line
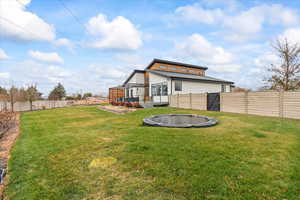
85, 153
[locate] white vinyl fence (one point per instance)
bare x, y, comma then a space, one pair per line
36, 105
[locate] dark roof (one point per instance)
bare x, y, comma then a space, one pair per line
128, 85
131, 75
174, 63
189, 76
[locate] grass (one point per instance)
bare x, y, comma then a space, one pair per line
86, 153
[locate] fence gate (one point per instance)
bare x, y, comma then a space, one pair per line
213, 101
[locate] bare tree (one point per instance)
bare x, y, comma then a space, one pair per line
285, 74
32, 94
13, 92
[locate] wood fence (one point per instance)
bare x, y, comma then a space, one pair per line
270, 103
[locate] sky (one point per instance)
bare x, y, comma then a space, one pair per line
89, 46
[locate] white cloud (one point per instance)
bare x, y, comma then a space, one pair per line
278, 14
292, 35
44, 75
4, 75
57, 74
197, 48
198, 14
51, 57
120, 33
248, 23
266, 60
93, 78
3, 55
201, 49
225, 68
64, 42
18, 23
105, 72
132, 60
241, 25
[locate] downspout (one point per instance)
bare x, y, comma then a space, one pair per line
169, 96
171, 86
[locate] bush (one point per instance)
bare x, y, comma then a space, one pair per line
136, 105
5, 121
127, 104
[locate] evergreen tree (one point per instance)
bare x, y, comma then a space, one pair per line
57, 93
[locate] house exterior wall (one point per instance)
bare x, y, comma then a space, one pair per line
199, 87
187, 87
137, 78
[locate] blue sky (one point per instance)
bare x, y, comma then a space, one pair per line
92, 45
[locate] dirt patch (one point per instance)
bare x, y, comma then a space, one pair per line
6, 143
106, 139
102, 162
117, 109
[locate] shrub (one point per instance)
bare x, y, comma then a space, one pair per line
5, 121
136, 105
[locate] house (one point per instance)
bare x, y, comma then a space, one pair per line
162, 78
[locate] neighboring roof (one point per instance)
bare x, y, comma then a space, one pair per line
174, 63
188, 76
131, 75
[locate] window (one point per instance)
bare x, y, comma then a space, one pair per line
131, 93
178, 85
159, 89
223, 88
127, 93
164, 91
153, 90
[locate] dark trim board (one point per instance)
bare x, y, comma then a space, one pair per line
155, 60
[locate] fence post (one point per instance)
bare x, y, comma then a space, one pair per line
246, 102
190, 100
221, 101
177, 100
281, 97
206, 100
